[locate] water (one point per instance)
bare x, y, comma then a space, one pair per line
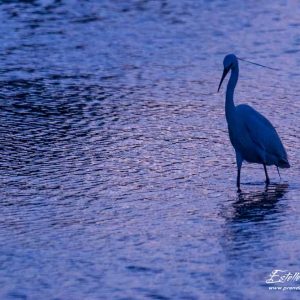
117, 175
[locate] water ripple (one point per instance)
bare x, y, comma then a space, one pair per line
117, 174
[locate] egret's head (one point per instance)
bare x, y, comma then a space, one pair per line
230, 62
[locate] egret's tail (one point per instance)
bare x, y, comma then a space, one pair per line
283, 163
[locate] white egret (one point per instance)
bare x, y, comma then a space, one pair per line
253, 137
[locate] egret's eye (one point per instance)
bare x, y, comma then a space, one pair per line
229, 67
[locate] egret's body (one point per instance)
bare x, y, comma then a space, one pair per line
253, 137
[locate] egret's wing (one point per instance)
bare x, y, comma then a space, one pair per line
262, 132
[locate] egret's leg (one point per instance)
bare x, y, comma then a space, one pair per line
278, 172
238, 179
239, 162
267, 176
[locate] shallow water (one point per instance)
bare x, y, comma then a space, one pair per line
117, 175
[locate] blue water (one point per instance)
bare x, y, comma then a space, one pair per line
117, 177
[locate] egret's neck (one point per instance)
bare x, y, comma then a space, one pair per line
229, 104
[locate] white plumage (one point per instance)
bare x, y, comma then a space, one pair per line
253, 137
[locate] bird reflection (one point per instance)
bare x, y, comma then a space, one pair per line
255, 206
250, 230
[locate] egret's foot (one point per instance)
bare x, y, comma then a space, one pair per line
239, 190
267, 181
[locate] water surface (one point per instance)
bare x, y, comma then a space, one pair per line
117, 177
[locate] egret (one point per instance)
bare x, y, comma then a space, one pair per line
252, 136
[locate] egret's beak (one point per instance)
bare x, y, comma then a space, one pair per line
225, 72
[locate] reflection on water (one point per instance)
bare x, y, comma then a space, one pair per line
252, 227
117, 177
255, 206
253, 215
